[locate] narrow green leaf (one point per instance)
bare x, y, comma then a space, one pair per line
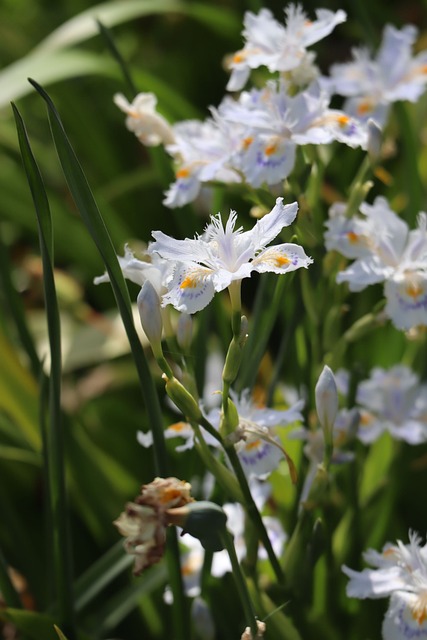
88, 209
36, 626
50, 68
16, 454
111, 45
16, 307
119, 606
59, 632
18, 394
260, 329
57, 495
84, 25
100, 574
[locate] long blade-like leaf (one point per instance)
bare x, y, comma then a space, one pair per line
88, 209
86, 204
54, 450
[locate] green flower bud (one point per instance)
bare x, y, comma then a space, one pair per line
230, 420
183, 399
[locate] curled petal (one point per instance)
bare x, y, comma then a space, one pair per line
281, 259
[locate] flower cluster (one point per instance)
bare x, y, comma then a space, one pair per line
384, 250
254, 137
400, 572
392, 401
281, 47
372, 84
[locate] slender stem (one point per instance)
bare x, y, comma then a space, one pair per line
253, 511
179, 610
242, 588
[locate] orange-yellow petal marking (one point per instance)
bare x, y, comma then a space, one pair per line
364, 107
252, 445
419, 609
178, 426
352, 237
272, 148
182, 173
414, 289
343, 121
190, 282
239, 57
282, 261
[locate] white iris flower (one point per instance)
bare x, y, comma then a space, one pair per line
400, 572
276, 46
385, 251
373, 83
392, 401
223, 255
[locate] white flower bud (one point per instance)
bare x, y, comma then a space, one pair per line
326, 399
148, 303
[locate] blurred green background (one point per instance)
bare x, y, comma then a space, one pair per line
176, 50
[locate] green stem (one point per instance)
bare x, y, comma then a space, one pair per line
242, 588
179, 610
253, 512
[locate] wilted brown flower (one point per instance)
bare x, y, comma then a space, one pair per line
247, 634
144, 522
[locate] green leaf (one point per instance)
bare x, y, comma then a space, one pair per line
51, 61
48, 68
59, 632
84, 26
18, 394
100, 574
122, 603
88, 209
36, 626
54, 450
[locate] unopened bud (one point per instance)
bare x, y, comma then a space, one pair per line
234, 355
182, 398
326, 400
148, 303
229, 420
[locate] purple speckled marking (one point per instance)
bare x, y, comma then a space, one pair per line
260, 160
407, 630
412, 306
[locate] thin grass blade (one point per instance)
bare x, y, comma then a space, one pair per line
61, 548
